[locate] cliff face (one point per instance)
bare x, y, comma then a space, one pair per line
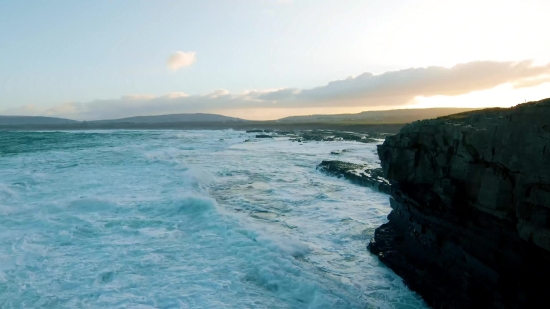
470, 225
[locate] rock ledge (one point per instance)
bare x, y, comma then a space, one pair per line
359, 174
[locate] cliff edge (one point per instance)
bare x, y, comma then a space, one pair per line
470, 198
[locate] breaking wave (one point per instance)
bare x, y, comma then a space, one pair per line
185, 219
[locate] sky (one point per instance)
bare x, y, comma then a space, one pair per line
267, 59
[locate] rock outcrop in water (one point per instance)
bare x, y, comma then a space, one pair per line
359, 174
263, 136
470, 225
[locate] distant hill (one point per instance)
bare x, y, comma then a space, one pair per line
33, 120
201, 120
387, 116
171, 118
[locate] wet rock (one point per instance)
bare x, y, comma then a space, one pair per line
285, 132
254, 131
470, 198
331, 135
263, 136
359, 174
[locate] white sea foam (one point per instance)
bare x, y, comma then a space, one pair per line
187, 219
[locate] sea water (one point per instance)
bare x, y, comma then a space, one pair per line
187, 219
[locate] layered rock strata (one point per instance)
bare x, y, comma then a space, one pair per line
470, 193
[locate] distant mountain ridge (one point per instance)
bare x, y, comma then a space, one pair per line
397, 116
385, 116
33, 120
171, 118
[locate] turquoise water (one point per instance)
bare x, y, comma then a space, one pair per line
186, 219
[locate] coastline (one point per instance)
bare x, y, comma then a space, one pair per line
351, 127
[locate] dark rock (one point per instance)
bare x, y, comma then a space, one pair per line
285, 132
331, 135
470, 225
356, 173
263, 136
254, 131
312, 136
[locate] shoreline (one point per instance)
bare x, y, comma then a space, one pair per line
351, 127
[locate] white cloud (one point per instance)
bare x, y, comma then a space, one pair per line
173, 95
181, 59
64, 109
532, 82
399, 87
137, 97
387, 90
218, 93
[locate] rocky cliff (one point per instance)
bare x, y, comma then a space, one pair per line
470, 225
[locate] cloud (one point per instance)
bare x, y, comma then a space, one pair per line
398, 87
281, 94
218, 93
181, 59
65, 108
137, 97
173, 95
390, 89
531, 82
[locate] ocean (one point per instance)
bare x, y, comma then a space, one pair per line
187, 219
